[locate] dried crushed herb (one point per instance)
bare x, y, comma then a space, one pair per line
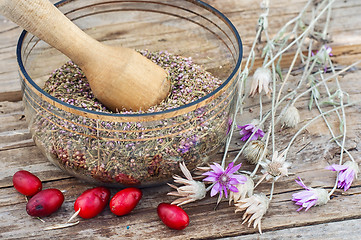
188, 80
132, 153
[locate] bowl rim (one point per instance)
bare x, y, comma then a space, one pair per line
105, 115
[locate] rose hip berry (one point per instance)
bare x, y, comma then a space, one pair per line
124, 201
173, 216
26, 183
45, 202
92, 202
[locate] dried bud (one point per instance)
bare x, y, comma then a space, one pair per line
261, 80
291, 117
254, 151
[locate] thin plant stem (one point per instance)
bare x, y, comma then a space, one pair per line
260, 108
331, 131
229, 137
273, 96
310, 26
272, 190
327, 79
262, 155
311, 121
288, 74
328, 18
343, 113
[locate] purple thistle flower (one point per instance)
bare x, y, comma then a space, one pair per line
346, 173
310, 196
247, 130
224, 179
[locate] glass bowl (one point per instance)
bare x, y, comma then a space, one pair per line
142, 149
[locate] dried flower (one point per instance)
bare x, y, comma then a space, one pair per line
323, 54
310, 196
248, 129
291, 117
201, 170
346, 173
224, 179
191, 191
276, 168
261, 79
244, 189
256, 206
254, 150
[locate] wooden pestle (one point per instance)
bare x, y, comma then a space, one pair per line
119, 77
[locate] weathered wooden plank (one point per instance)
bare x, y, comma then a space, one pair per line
346, 229
144, 224
13, 127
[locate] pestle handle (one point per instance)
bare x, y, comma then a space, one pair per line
119, 77
42, 19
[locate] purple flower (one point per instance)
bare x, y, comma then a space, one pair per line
323, 54
247, 130
224, 179
346, 173
186, 144
310, 196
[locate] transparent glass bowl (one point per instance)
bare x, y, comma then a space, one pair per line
135, 149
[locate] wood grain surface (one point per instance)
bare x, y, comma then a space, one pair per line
312, 151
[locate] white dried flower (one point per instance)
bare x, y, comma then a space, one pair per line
245, 189
256, 206
291, 117
254, 151
276, 168
261, 80
191, 191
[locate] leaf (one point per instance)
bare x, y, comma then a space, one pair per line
278, 68
62, 225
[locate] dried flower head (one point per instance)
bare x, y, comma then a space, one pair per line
248, 129
254, 151
276, 168
224, 179
323, 54
244, 189
291, 117
191, 191
347, 172
256, 206
261, 80
310, 197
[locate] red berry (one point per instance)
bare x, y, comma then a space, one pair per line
125, 201
173, 216
45, 202
92, 201
26, 183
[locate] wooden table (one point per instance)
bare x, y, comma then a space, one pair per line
339, 219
